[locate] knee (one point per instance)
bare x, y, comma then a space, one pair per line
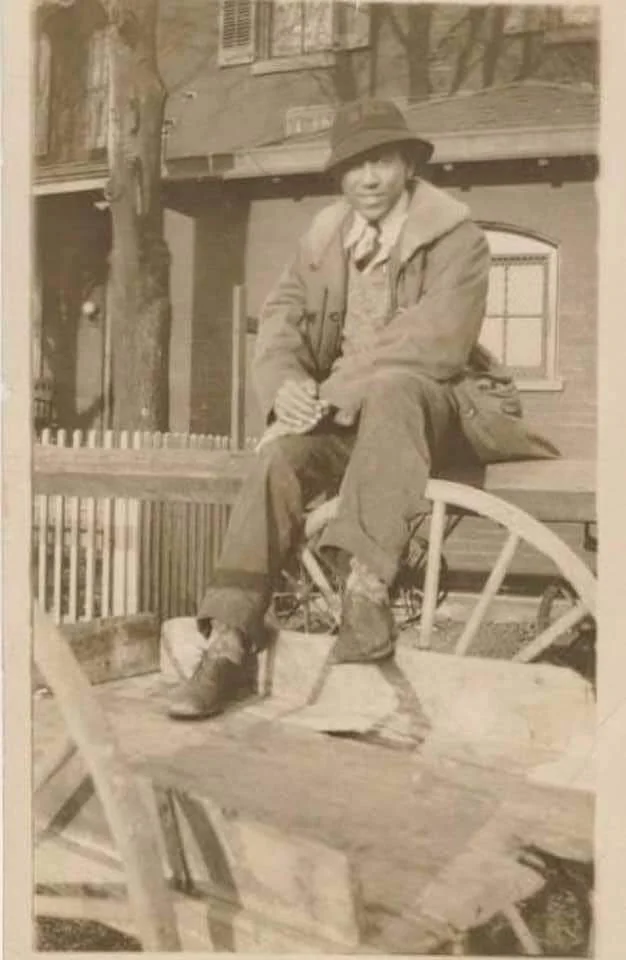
283, 455
397, 390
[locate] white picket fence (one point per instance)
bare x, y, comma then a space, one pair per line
107, 557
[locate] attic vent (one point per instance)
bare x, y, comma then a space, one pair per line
237, 31
308, 120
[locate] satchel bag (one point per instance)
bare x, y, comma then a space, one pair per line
490, 414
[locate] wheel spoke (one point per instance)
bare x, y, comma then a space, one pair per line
318, 577
493, 584
520, 928
545, 639
433, 567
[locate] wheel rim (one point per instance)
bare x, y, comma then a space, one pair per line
521, 527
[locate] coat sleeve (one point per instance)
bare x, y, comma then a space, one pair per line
281, 351
434, 336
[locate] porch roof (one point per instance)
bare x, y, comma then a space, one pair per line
530, 120
518, 121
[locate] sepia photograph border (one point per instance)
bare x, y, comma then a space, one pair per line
15, 346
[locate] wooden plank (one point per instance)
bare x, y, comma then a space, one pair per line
107, 537
74, 516
120, 552
90, 544
41, 515
553, 491
116, 647
152, 474
238, 369
575, 476
399, 818
124, 808
433, 568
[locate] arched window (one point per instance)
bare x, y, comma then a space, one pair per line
520, 326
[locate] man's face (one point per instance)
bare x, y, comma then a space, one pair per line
374, 181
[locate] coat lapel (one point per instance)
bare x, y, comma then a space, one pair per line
432, 214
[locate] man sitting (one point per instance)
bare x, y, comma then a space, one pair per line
361, 348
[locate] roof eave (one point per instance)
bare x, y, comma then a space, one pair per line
480, 146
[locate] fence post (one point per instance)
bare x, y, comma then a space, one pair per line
238, 369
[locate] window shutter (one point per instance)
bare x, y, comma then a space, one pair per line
42, 95
354, 24
97, 120
237, 31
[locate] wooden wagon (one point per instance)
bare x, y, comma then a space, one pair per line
258, 831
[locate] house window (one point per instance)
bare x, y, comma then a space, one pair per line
42, 95
97, 92
574, 16
527, 19
278, 35
520, 325
297, 28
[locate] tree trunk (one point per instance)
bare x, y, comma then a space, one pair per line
139, 301
418, 50
465, 62
493, 48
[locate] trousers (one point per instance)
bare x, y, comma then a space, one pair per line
407, 427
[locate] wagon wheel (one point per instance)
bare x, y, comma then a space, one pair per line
447, 499
407, 590
557, 595
123, 805
575, 648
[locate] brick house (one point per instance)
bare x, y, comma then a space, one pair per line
509, 99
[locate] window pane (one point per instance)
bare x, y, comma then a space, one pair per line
97, 92
286, 28
495, 294
524, 342
354, 24
492, 336
525, 289
318, 26
579, 16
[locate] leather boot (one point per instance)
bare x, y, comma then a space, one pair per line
222, 676
367, 629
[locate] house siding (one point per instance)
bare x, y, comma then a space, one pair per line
215, 109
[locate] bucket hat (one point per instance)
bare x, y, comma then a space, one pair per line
362, 125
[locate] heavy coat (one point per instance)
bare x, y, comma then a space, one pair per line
438, 276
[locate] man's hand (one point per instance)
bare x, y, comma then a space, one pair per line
298, 406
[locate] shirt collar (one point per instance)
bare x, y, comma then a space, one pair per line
390, 225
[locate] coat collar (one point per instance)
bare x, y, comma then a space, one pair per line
432, 213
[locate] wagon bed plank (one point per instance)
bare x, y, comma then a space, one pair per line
401, 820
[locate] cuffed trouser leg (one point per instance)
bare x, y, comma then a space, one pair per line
406, 427
267, 520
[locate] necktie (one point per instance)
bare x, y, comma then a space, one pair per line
367, 246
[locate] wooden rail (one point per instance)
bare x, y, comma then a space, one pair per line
555, 491
159, 474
